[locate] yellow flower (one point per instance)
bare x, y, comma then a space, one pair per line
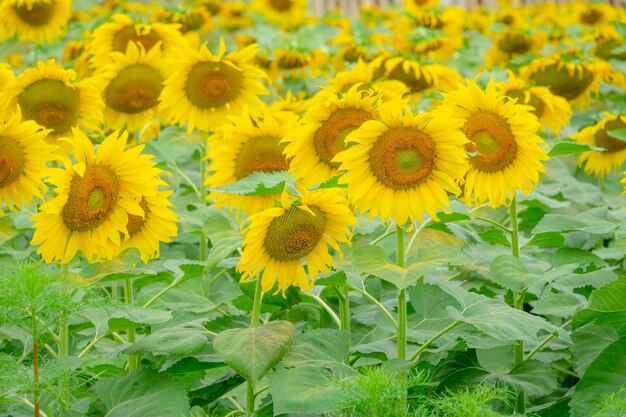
49, 95
23, 157
414, 6
208, 87
623, 181
94, 197
278, 240
512, 43
132, 84
250, 144
506, 153
551, 110
296, 63
285, 13
320, 135
364, 74
38, 21
403, 164
600, 163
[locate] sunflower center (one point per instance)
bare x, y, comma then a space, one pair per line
603, 139
281, 5
329, 139
134, 89
491, 138
416, 84
403, 157
507, 19
260, 154
562, 83
50, 103
538, 104
291, 60
212, 84
604, 49
590, 16
514, 43
146, 38
295, 234
135, 223
91, 199
11, 161
37, 14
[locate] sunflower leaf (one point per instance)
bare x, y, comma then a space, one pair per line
568, 146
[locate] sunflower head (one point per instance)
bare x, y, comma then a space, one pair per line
39, 21
601, 163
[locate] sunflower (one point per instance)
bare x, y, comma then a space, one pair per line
38, 21
321, 133
94, 198
623, 181
296, 62
250, 144
120, 30
609, 43
414, 6
363, 74
132, 84
449, 20
287, 14
278, 239
49, 95
551, 110
600, 163
208, 87
513, 43
403, 165
506, 151
23, 157
231, 16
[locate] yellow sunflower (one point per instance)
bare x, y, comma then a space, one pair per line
403, 164
278, 240
364, 74
297, 63
250, 144
551, 110
321, 133
623, 181
94, 197
513, 43
608, 43
231, 16
208, 87
120, 30
132, 84
38, 21
600, 163
414, 6
23, 157
506, 152
285, 13
49, 95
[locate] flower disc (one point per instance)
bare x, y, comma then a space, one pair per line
38, 21
491, 138
134, 89
515, 43
12, 161
329, 139
51, 103
260, 154
563, 83
538, 105
213, 84
605, 141
38, 14
600, 163
294, 234
146, 38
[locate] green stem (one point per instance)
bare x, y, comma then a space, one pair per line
432, 339
344, 308
203, 198
256, 311
36, 408
63, 347
377, 303
401, 328
131, 336
325, 306
493, 222
518, 303
546, 340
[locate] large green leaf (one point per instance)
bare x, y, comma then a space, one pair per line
510, 272
589, 342
142, 393
120, 317
182, 339
253, 352
257, 183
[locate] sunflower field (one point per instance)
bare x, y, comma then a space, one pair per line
276, 208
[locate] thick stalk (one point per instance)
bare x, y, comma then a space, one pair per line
518, 303
131, 335
36, 405
344, 308
254, 320
63, 345
401, 328
203, 197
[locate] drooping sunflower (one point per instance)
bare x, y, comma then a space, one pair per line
279, 239
132, 84
208, 87
321, 133
94, 197
403, 164
600, 163
552, 111
120, 30
38, 21
513, 43
250, 144
23, 157
297, 63
285, 13
506, 152
49, 95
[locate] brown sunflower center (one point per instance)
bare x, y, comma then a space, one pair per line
11, 161
260, 154
281, 5
134, 89
51, 103
291, 60
491, 138
213, 84
38, 14
403, 157
410, 79
590, 16
507, 19
91, 199
429, 20
295, 234
135, 223
538, 104
146, 38
605, 48
515, 43
562, 83
329, 139
603, 139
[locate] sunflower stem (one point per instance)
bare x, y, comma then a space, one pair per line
401, 328
344, 308
35, 366
254, 320
203, 197
131, 336
518, 303
63, 345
